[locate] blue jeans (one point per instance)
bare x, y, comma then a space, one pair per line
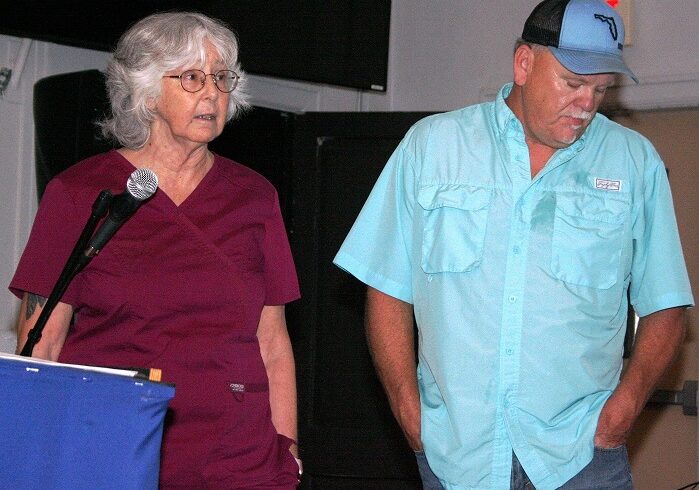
429, 479
609, 469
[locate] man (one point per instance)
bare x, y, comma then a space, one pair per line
512, 231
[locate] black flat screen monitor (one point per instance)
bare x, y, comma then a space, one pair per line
336, 42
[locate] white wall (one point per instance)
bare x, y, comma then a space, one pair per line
444, 54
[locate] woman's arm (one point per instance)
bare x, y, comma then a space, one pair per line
55, 330
279, 363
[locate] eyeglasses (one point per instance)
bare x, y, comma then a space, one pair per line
194, 80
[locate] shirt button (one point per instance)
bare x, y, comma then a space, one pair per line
509, 352
512, 299
516, 250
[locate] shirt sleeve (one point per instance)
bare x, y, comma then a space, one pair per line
57, 227
377, 250
659, 277
280, 273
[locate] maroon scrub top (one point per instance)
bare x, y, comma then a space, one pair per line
179, 288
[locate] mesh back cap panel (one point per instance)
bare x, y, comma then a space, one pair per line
544, 23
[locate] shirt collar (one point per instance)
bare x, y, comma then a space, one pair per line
504, 117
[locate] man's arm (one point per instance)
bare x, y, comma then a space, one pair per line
389, 331
658, 338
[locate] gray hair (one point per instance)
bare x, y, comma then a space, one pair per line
521, 42
154, 45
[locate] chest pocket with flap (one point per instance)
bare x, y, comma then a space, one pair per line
455, 218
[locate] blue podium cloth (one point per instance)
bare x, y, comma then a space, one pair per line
65, 428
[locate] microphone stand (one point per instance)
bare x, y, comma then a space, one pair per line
74, 264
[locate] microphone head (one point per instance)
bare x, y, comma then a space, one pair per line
142, 183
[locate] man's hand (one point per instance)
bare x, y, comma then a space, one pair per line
614, 422
657, 341
408, 417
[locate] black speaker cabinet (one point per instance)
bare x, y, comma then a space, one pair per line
323, 165
66, 108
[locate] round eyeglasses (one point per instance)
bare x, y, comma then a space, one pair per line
194, 80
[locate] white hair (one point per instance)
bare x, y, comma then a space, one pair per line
151, 47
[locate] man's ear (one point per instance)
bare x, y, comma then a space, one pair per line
522, 64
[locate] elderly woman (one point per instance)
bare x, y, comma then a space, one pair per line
196, 281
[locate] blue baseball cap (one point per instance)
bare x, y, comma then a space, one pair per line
585, 36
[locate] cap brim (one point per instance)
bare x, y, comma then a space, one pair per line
589, 63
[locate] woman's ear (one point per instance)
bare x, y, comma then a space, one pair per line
152, 103
523, 61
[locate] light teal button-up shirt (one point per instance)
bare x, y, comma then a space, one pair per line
519, 285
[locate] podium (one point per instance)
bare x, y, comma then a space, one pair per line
78, 427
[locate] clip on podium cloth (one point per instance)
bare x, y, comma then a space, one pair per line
79, 427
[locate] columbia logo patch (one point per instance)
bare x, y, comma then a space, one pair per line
608, 185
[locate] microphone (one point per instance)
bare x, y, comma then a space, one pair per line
141, 185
